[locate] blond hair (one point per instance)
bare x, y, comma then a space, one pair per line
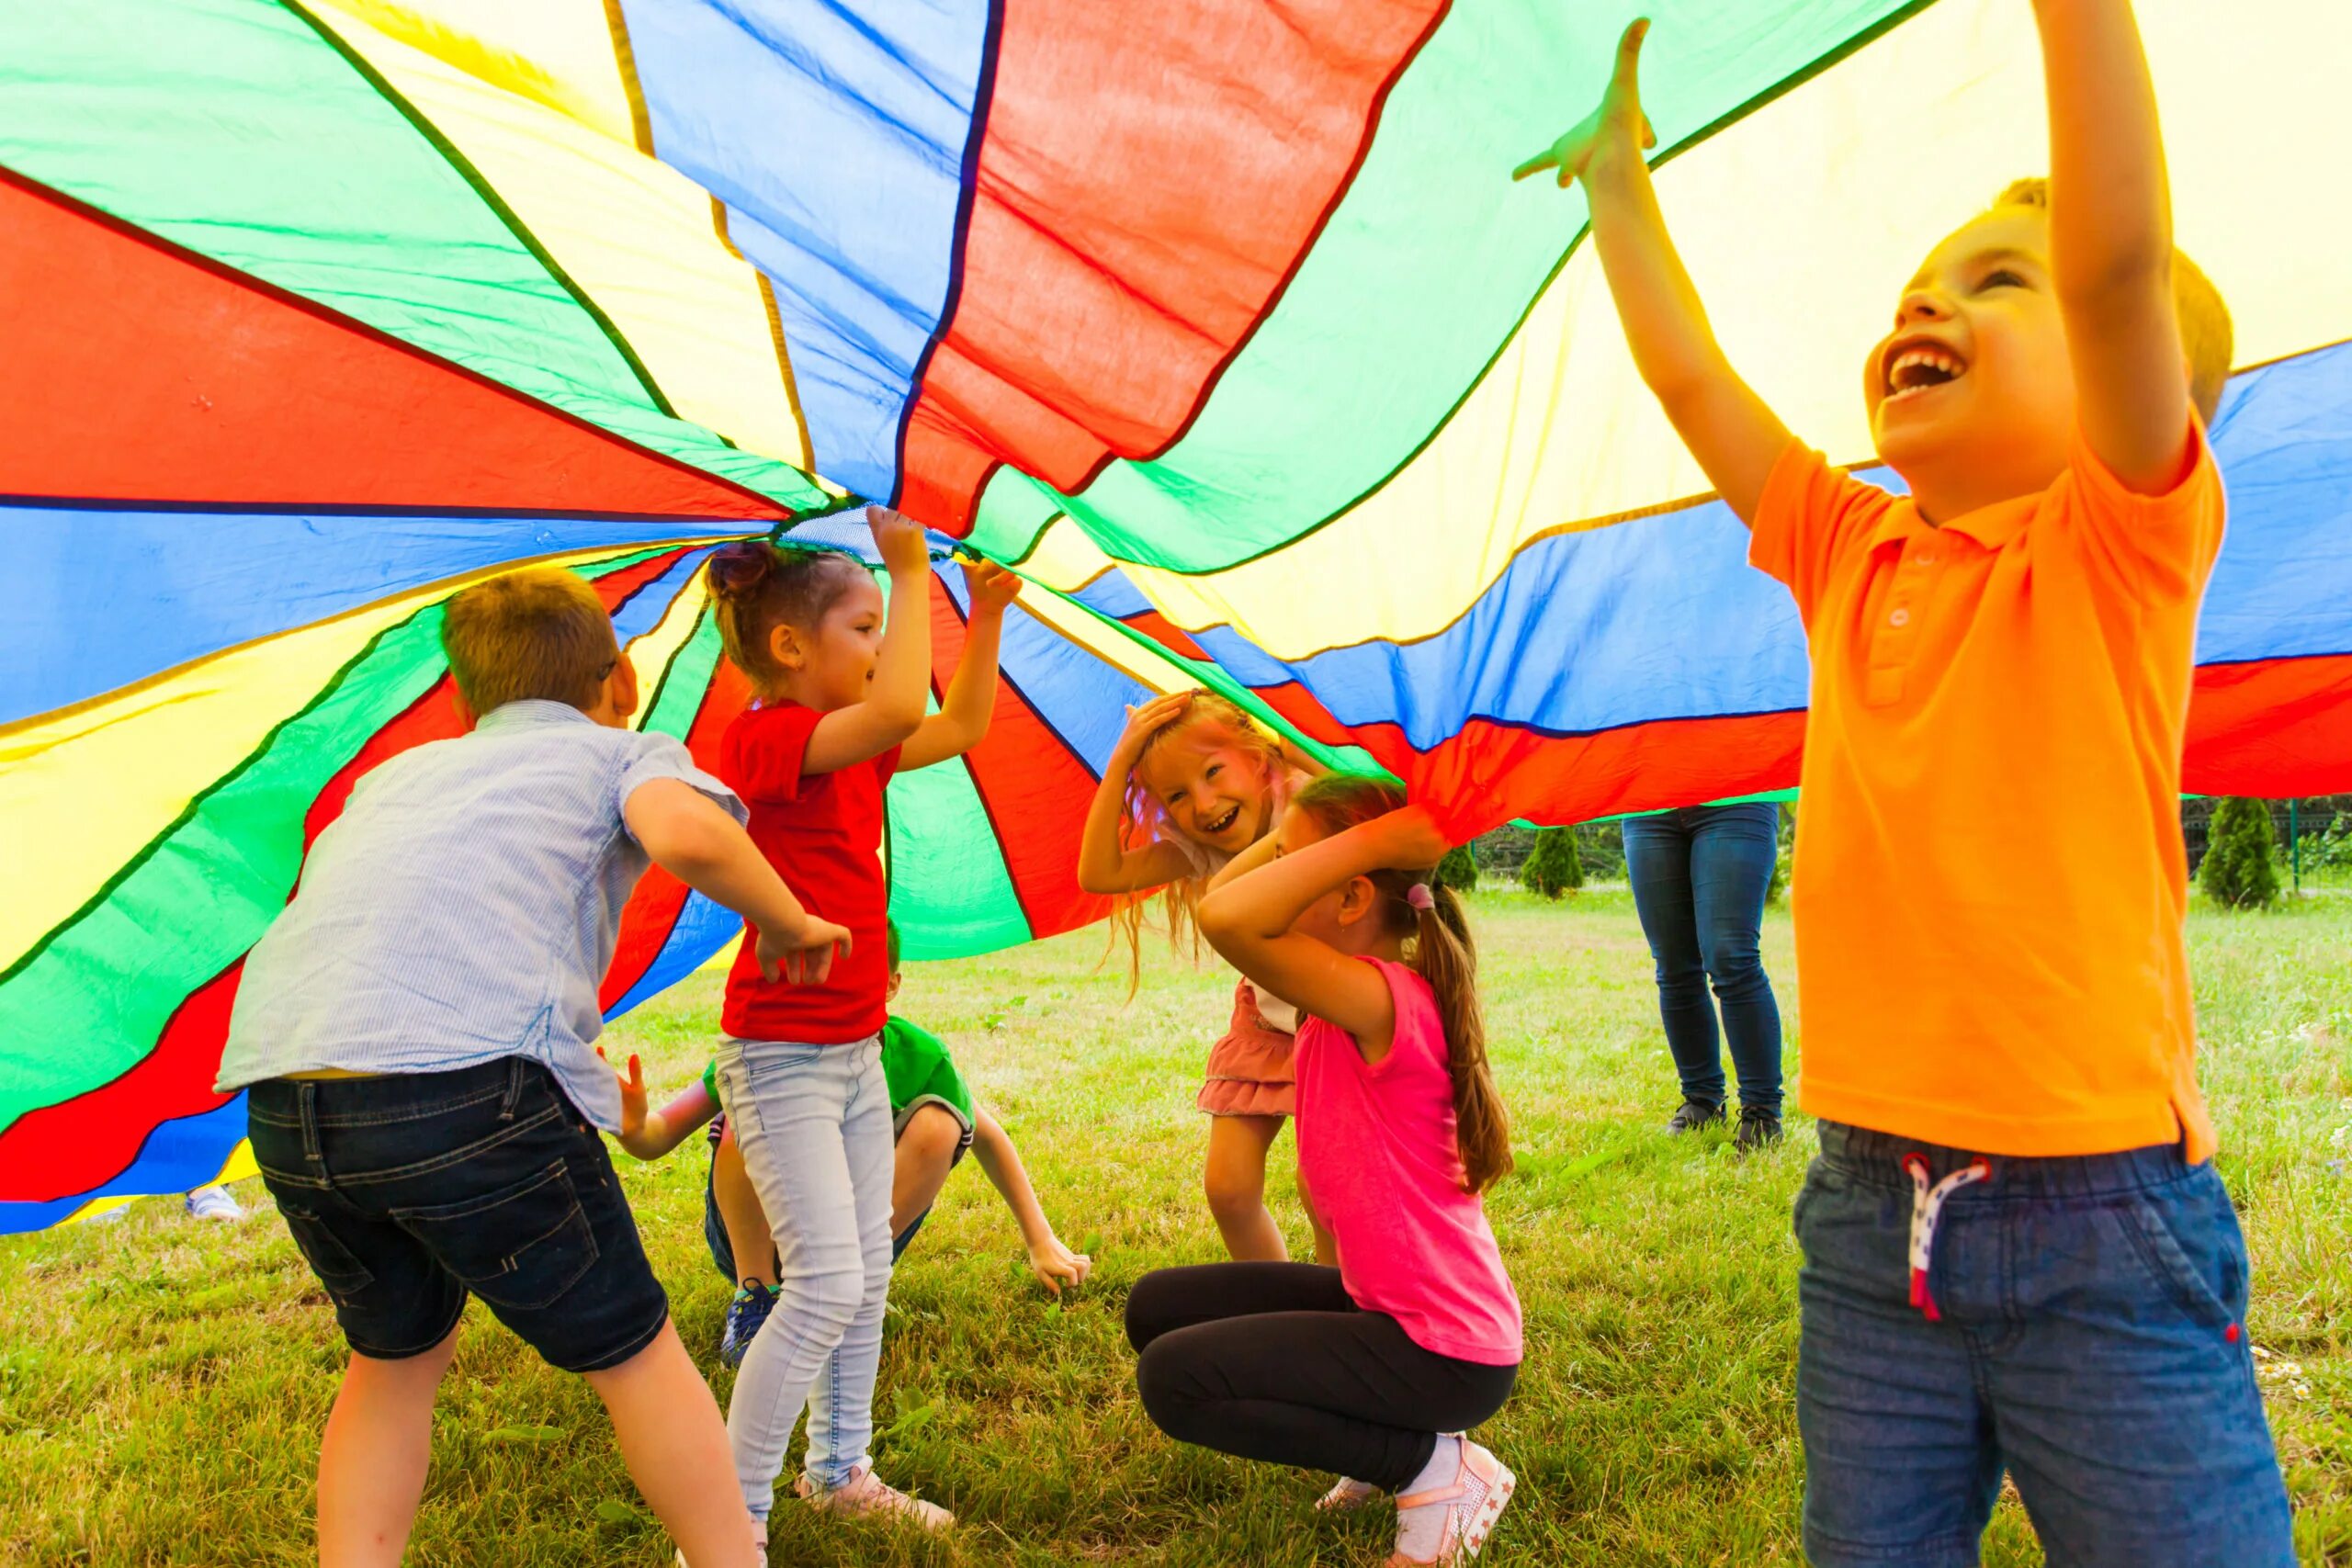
2205, 336
537, 633
1145, 822
1439, 947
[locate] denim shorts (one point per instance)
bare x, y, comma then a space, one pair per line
410, 1192
2088, 1339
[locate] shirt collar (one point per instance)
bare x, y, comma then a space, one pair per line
530, 713
1990, 526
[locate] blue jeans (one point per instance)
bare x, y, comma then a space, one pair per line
2090, 1342
1700, 876
814, 1124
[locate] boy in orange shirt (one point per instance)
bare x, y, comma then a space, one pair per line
2001, 675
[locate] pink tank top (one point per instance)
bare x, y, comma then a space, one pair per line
1377, 1147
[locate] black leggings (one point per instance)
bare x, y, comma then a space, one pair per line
1272, 1361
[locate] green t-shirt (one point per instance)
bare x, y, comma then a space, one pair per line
920, 1069
918, 1066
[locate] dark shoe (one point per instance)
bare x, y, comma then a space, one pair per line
1758, 1129
1694, 1114
744, 1315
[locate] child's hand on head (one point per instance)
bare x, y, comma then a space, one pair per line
1619, 118
1055, 1265
632, 1084
899, 539
993, 586
802, 959
1149, 720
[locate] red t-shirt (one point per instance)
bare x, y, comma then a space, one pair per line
823, 835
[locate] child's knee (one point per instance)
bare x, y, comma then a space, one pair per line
1234, 1192
828, 1302
932, 1135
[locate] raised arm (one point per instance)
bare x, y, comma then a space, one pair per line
892, 710
1735, 436
650, 1134
2111, 241
962, 721
689, 836
1054, 1264
1105, 863
1249, 921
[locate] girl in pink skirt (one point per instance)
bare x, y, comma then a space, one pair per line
1194, 788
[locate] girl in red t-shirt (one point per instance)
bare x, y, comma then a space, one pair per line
1192, 786
840, 694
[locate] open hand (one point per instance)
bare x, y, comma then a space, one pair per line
1149, 720
632, 1084
900, 539
1055, 1265
993, 587
807, 960
1618, 118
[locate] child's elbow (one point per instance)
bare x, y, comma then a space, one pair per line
1219, 920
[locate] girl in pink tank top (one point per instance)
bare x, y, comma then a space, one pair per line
1376, 1368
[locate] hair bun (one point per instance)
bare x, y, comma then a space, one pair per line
742, 568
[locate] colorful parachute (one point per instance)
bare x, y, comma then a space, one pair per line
1221, 320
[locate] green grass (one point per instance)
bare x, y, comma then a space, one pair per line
163, 1383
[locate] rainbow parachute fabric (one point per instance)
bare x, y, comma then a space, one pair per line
1221, 322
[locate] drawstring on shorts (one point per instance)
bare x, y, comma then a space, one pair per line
1926, 1205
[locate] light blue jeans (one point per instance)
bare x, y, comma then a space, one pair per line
813, 1123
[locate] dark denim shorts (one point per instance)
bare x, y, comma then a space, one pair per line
2090, 1342
410, 1192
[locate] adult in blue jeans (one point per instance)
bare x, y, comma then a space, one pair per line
1700, 875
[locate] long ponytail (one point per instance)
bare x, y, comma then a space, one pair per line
1440, 949
1445, 955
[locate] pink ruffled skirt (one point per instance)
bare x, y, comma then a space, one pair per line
1249, 1069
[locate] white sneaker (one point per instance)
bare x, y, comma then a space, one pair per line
865, 1493
1449, 1522
214, 1203
1347, 1496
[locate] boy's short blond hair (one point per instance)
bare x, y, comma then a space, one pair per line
539, 632
2205, 332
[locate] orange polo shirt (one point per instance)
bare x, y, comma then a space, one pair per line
1990, 880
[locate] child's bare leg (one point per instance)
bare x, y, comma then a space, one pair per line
748, 1236
925, 1154
1326, 1245
674, 1444
373, 1457
1235, 1183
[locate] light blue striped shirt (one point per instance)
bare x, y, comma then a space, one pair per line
462, 909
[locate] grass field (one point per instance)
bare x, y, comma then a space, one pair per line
164, 1383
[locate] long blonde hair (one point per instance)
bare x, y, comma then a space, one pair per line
1145, 822
1438, 946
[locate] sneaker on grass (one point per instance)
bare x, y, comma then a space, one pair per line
214, 1203
750, 1309
1694, 1114
865, 1493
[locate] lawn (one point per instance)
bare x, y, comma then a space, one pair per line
163, 1382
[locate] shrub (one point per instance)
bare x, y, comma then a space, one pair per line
1459, 869
2238, 871
1553, 867
1784, 855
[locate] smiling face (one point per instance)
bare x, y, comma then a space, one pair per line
1972, 395
1215, 791
831, 664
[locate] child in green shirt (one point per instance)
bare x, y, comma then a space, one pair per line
935, 1119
